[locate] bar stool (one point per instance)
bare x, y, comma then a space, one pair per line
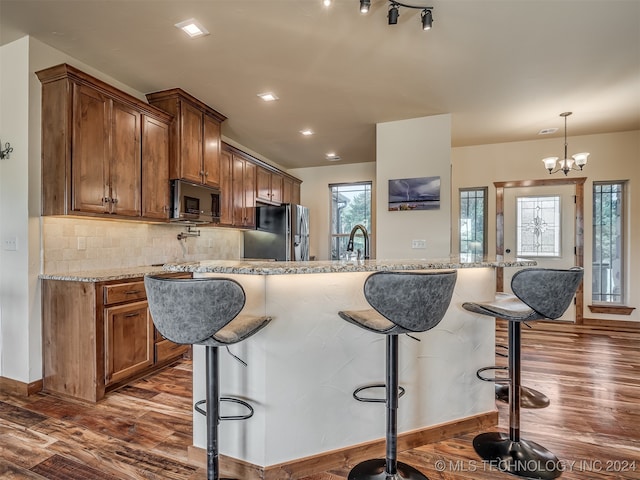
540, 294
204, 311
403, 302
529, 397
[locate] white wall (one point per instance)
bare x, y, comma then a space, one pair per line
16, 289
314, 194
419, 147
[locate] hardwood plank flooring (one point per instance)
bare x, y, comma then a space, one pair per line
142, 431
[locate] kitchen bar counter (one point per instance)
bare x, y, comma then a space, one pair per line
296, 268
303, 366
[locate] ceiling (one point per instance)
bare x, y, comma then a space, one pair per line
503, 69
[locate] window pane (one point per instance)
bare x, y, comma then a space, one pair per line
538, 226
350, 206
473, 206
607, 283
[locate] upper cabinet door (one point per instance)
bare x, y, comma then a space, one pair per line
155, 168
90, 146
211, 151
191, 143
125, 166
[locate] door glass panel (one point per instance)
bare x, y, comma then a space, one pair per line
538, 225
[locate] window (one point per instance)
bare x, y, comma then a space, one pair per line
473, 223
608, 242
538, 226
350, 206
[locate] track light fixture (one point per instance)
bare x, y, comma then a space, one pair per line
394, 12
427, 19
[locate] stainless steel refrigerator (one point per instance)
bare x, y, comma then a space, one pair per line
282, 233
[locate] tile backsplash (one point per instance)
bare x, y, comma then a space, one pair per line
73, 244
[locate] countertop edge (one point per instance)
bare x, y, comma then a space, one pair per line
301, 268
278, 268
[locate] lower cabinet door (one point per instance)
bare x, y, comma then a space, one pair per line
129, 340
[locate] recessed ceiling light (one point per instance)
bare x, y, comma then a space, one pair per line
547, 131
332, 157
268, 96
193, 28
306, 132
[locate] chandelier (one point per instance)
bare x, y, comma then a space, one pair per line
576, 162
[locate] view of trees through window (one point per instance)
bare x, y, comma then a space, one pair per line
473, 223
608, 244
350, 206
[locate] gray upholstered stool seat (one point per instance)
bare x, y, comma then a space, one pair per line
529, 397
204, 311
539, 294
403, 302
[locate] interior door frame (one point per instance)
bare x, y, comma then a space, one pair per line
579, 226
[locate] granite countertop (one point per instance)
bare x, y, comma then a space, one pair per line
256, 267
288, 268
94, 276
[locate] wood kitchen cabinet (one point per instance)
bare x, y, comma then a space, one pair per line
100, 149
269, 185
244, 184
195, 137
290, 190
97, 336
155, 168
238, 189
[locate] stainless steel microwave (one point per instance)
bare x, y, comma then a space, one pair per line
192, 203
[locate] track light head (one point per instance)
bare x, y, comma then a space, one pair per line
393, 14
427, 19
364, 6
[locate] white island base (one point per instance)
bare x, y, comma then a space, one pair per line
303, 367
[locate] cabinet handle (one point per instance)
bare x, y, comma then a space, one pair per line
206, 174
114, 200
106, 200
128, 315
131, 292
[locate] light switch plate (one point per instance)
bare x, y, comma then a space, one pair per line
10, 243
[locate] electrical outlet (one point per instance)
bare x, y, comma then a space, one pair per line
418, 244
10, 243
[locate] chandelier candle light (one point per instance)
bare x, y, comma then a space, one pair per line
576, 162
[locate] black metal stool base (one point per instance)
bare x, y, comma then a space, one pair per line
523, 458
529, 398
375, 470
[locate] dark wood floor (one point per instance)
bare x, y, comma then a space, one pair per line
591, 375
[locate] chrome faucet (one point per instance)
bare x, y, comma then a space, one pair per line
366, 240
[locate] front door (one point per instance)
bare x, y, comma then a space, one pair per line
539, 224
550, 231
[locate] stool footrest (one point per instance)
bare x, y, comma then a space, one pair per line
374, 400
227, 417
492, 379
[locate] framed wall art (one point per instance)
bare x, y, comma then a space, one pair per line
421, 193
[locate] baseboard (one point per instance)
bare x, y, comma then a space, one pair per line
15, 387
347, 456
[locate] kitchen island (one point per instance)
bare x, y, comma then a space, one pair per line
303, 367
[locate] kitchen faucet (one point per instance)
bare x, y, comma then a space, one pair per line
366, 240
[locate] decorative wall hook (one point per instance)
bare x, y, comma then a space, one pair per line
4, 153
